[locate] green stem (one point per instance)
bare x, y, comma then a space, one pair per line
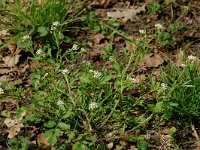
146, 120
104, 122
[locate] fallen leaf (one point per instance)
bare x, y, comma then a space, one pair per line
110, 145
110, 135
14, 127
5, 70
151, 60
196, 145
13, 131
42, 140
10, 122
126, 14
179, 58
4, 33
141, 78
4, 78
10, 61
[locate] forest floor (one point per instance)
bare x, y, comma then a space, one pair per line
119, 75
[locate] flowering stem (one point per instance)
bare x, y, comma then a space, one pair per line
116, 104
146, 120
69, 90
86, 116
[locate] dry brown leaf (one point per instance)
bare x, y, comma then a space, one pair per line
5, 70
126, 14
4, 78
110, 145
42, 140
13, 131
10, 122
179, 58
151, 60
12, 46
109, 136
14, 127
141, 78
130, 46
4, 33
8, 100
10, 61
196, 145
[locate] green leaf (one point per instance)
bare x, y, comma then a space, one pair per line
84, 79
142, 145
134, 138
58, 132
172, 131
159, 107
105, 79
33, 118
50, 124
48, 133
71, 135
63, 126
79, 146
67, 114
52, 140
43, 31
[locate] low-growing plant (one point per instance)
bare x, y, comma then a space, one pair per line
155, 8
41, 21
178, 97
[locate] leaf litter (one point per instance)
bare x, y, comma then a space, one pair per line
150, 61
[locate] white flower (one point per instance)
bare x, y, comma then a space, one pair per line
183, 65
86, 62
93, 105
133, 80
46, 74
54, 25
75, 47
96, 74
164, 86
142, 31
1, 91
26, 37
91, 71
39, 51
65, 71
60, 102
159, 26
83, 50
191, 57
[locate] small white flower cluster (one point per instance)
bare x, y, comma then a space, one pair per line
83, 49
46, 74
75, 47
54, 25
65, 71
93, 105
183, 65
142, 31
26, 37
164, 86
192, 58
88, 63
60, 102
39, 52
1, 91
96, 74
133, 80
159, 26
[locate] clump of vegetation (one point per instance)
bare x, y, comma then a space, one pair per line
119, 96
